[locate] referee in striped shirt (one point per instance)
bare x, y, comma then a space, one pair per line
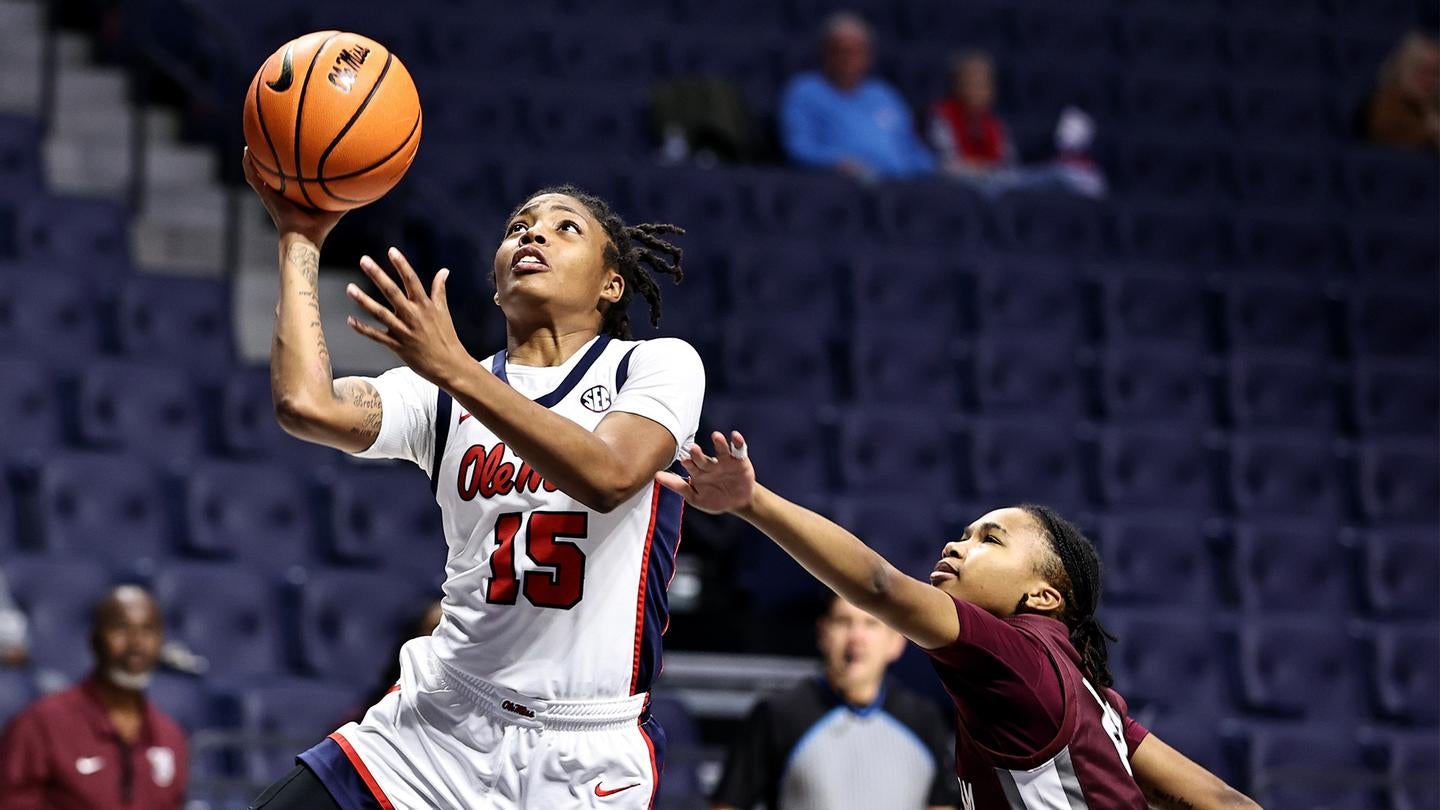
847, 741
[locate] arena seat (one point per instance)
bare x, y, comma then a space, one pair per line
1168, 468
1283, 392
1015, 376
1291, 565
1154, 384
1303, 668
1014, 461
110, 508
183, 322
287, 716
350, 639
225, 612
1406, 666
148, 410
895, 450
1286, 474
1395, 397
1152, 306
253, 512
1154, 558
388, 517
1399, 479
1398, 568
58, 594
29, 408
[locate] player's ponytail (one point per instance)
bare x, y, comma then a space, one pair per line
1078, 578
637, 252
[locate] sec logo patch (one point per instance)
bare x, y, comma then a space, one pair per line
596, 399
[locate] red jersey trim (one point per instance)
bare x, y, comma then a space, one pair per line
640, 596
359, 765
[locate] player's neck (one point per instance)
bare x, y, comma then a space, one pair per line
859, 693
545, 346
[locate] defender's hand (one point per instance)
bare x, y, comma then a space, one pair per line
722, 483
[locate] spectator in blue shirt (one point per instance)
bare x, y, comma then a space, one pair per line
842, 118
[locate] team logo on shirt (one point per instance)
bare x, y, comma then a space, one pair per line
162, 765
596, 399
88, 765
486, 473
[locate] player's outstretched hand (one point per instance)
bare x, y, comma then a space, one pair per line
416, 326
311, 223
724, 482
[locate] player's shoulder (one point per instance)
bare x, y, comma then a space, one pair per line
659, 352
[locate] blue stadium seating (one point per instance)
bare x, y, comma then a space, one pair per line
226, 613
1395, 398
1152, 467
52, 317
1012, 461
1291, 565
1156, 558
1299, 668
1011, 376
1406, 667
782, 434
256, 513
150, 411
58, 595
1399, 479
348, 639
1149, 306
1282, 392
1308, 766
899, 450
1276, 473
107, 508
1154, 384
388, 517
29, 408
17, 689
178, 321
1398, 569
286, 716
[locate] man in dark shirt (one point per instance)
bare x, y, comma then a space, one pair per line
847, 740
100, 744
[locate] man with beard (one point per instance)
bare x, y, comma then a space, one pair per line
100, 744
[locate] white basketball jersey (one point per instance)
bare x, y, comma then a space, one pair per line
543, 595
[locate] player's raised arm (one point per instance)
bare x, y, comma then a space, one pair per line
310, 403
726, 483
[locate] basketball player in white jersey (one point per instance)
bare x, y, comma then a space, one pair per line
532, 692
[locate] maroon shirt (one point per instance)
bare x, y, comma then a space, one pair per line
1030, 730
62, 753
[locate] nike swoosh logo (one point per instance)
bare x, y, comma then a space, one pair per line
287, 72
602, 792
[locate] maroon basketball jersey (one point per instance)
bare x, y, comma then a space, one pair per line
1031, 731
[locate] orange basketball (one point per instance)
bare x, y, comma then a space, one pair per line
332, 120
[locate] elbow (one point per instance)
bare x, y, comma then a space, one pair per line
296, 415
879, 589
1235, 800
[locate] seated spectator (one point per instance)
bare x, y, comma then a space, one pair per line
843, 118
100, 744
14, 651
846, 740
1405, 107
967, 135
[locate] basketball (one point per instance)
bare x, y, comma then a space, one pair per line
332, 120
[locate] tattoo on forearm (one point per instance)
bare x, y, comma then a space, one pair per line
307, 260
1161, 799
366, 400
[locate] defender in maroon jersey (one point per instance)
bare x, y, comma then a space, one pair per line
1008, 620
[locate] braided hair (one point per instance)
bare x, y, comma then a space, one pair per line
636, 252
1074, 569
